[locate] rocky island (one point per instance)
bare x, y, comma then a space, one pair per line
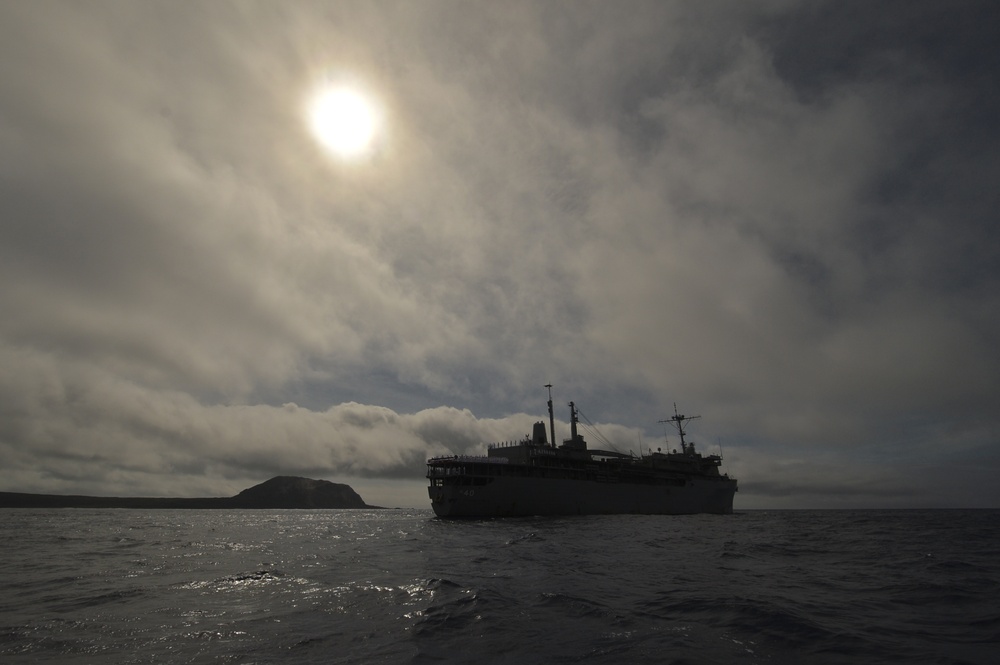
279, 492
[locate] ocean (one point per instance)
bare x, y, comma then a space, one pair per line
400, 586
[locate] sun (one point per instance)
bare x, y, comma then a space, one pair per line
344, 120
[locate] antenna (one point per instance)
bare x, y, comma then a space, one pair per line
677, 420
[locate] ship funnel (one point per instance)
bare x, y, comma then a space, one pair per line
538, 434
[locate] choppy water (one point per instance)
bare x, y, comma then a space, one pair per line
127, 586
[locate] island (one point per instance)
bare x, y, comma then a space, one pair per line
279, 492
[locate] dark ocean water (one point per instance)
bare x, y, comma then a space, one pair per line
129, 586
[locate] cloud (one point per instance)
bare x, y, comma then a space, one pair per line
95, 429
772, 213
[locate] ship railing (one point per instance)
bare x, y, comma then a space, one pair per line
477, 459
509, 444
465, 466
455, 465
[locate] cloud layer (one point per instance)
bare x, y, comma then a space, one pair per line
780, 215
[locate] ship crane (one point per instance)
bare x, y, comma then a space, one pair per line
677, 420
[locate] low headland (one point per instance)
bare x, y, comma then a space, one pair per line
279, 492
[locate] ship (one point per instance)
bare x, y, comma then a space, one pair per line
534, 477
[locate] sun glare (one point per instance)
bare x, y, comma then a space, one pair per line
344, 121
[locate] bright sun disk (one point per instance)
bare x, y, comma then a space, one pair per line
344, 121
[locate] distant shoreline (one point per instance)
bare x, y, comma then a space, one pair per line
25, 500
281, 492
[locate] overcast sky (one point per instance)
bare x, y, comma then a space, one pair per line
781, 216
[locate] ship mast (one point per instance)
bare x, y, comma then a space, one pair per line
677, 420
552, 419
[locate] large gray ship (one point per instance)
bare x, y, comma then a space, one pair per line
535, 477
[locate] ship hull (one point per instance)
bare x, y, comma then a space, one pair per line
527, 496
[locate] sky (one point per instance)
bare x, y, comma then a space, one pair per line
780, 216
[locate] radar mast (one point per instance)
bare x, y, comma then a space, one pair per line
677, 420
